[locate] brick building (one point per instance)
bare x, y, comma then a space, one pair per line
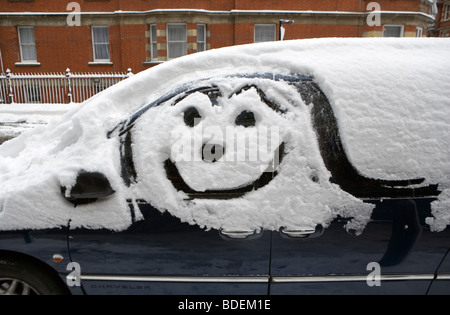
442, 25
113, 35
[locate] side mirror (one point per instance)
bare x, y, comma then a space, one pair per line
89, 187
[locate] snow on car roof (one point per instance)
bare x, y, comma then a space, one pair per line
388, 97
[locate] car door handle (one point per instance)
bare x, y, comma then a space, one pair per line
301, 233
239, 234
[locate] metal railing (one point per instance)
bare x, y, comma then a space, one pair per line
55, 88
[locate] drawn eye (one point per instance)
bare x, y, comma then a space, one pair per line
192, 116
246, 119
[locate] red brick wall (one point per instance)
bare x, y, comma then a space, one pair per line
114, 5
34, 6
139, 5
56, 45
162, 39
191, 39
300, 5
443, 25
243, 33
225, 5
221, 35
59, 47
133, 45
9, 46
314, 31
396, 5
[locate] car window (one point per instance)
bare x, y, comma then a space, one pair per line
293, 143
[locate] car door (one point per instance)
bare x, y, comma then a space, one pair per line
441, 283
396, 254
162, 255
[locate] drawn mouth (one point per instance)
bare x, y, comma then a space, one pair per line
266, 177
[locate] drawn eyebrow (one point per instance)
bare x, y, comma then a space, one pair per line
262, 95
213, 92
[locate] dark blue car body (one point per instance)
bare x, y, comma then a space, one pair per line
396, 253
161, 255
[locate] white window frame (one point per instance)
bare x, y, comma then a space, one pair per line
204, 37
153, 51
168, 42
271, 25
446, 11
93, 45
27, 44
419, 31
402, 28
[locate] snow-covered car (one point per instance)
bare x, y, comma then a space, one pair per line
314, 166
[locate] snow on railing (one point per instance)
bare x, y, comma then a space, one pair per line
55, 88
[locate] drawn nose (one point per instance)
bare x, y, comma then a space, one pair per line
212, 152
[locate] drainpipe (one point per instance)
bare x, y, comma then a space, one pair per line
281, 28
1, 61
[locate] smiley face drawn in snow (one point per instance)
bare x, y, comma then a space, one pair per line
232, 139
227, 130
189, 138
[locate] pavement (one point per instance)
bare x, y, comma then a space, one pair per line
18, 118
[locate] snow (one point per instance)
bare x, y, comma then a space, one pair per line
18, 118
33, 113
390, 98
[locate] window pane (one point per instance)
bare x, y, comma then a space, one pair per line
100, 39
154, 41
177, 33
100, 35
200, 46
176, 50
28, 52
264, 33
27, 45
392, 31
26, 35
419, 32
201, 37
154, 50
200, 33
176, 40
101, 51
153, 33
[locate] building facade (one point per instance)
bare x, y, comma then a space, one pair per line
113, 35
442, 25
